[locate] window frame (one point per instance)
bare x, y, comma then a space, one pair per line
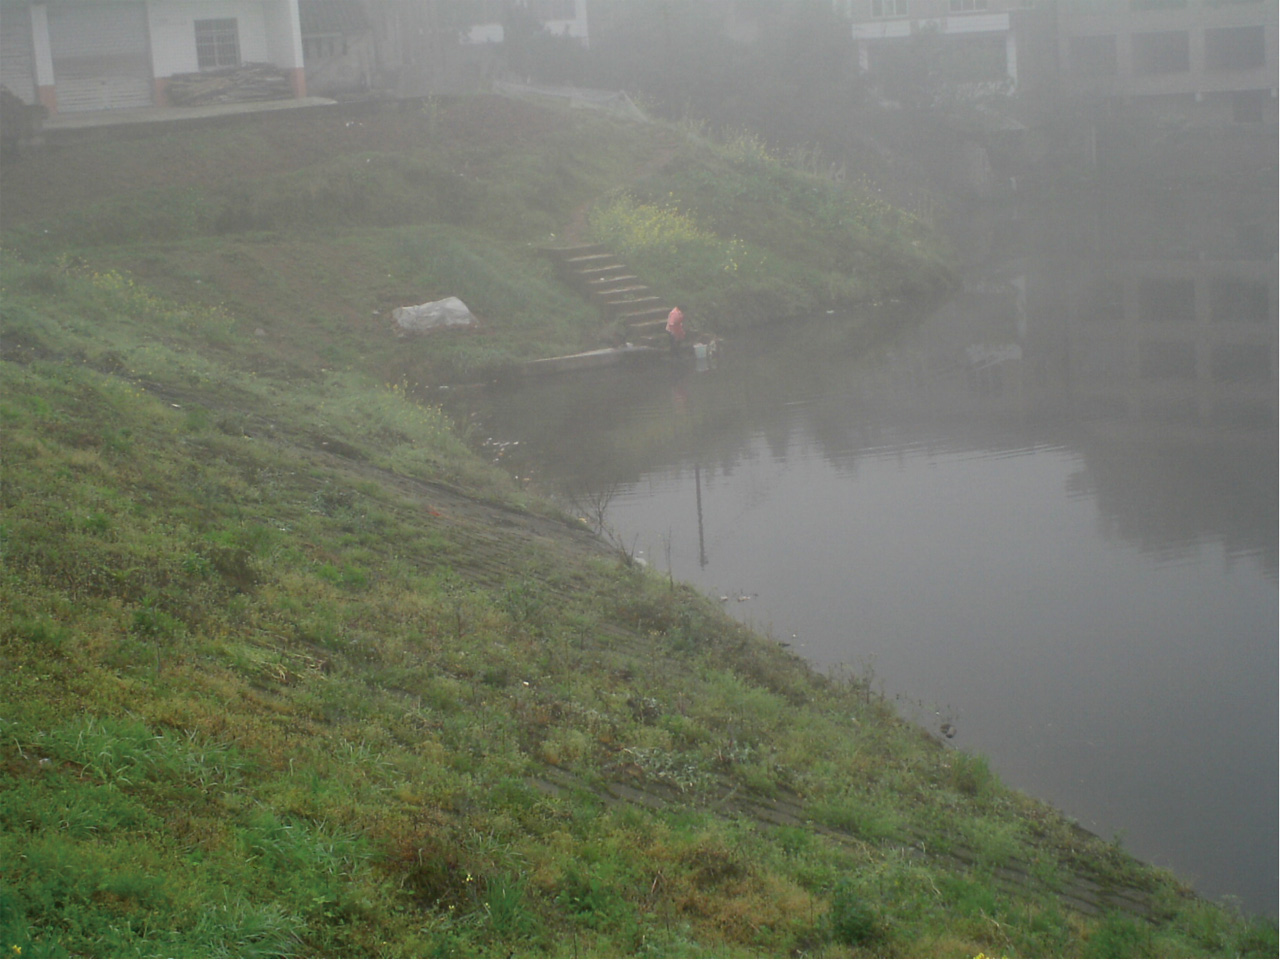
1094, 55
557, 10
1160, 52
1233, 49
217, 43
888, 9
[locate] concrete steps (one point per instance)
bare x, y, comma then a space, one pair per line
643, 328
636, 312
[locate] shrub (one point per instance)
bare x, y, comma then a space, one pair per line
853, 920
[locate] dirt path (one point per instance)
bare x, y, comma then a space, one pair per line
1081, 890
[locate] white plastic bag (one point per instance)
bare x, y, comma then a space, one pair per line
447, 314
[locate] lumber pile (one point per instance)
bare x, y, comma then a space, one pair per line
249, 81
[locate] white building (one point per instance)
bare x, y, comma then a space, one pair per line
559, 18
77, 55
985, 28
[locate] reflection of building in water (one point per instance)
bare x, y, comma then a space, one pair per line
1191, 342
1158, 316
1142, 335
1154, 332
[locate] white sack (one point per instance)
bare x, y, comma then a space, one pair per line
449, 313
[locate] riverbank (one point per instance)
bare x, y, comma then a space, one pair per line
336, 216
293, 669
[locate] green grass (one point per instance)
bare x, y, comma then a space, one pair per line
324, 222
746, 237
288, 669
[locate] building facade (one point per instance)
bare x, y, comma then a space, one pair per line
413, 48
1199, 59
482, 21
983, 32
1213, 58
73, 55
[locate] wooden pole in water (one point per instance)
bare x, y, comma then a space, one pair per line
697, 486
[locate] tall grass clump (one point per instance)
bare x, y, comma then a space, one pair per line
668, 241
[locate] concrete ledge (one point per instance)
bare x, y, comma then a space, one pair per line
114, 118
591, 359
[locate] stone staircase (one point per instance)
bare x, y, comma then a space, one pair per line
637, 315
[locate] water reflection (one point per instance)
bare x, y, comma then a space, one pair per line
1046, 512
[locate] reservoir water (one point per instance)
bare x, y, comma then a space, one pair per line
1043, 512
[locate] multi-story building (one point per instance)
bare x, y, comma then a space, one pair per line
982, 32
1215, 59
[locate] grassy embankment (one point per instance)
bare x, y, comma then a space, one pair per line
287, 669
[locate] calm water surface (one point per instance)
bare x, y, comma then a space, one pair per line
1045, 513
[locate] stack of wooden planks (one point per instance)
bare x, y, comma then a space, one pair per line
249, 81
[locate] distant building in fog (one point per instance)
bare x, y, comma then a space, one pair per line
559, 18
1205, 59
983, 33
1211, 60
414, 48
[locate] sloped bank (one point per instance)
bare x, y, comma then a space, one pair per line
289, 670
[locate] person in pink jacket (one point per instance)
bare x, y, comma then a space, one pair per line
675, 328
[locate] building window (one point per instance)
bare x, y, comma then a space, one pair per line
217, 44
1094, 56
1235, 48
1165, 52
967, 6
470, 12
1241, 363
1167, 300
975, 59
888, 8
1105, 302
1167, 361
1239, 301
1090, 8
546, 10
323, 46
1151, 6
1253, 106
